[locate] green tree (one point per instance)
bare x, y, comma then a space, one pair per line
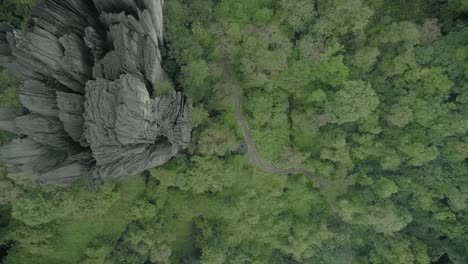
98, 252
9, 90
195, 77
217, 140
365, 58
206, 174
399, 250
400, 115
297, 14
418, 152
16, 12
386, 218
37, 207
385, 187
404, 31
331, 70
265, 53
144, 241
340, 17
353, 101
199, 116
456, 150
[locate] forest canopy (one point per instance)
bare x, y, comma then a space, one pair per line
367, 100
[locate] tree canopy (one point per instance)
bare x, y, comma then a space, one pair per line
368, 97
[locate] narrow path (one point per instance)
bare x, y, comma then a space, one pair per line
236, 97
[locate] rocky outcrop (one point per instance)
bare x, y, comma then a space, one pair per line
128, 130
89, 69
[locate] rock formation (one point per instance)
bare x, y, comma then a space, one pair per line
88, 70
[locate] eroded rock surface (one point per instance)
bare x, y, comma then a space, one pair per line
128, 130
88, 71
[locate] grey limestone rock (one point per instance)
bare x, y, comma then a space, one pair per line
30, 155
7, 120
38, 98
71, 109
44, 130
88, 70
122, 119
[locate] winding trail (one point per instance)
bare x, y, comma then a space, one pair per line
236, 97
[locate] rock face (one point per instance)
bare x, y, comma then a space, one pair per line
89, 69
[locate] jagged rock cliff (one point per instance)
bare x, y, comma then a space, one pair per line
88, 70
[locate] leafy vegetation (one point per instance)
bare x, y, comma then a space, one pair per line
16, 12
370, 96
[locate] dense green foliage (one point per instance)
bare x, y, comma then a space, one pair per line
8, 98
16, 12
370, 95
